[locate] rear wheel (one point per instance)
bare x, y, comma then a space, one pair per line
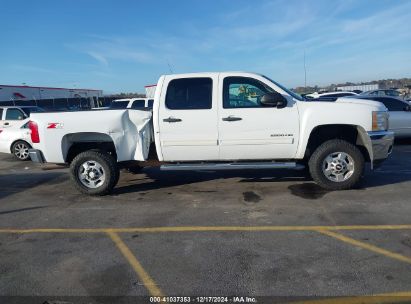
94, 172
20, 150
336, 165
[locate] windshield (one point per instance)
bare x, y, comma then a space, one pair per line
293, 94
119, 104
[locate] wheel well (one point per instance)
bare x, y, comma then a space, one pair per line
323, 133
79, 147
75, 143
11, 146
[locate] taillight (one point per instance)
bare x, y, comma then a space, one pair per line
34, 128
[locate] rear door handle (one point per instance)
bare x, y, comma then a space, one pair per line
232, 118
172, 119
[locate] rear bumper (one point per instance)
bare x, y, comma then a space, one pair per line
36, 156
382, 143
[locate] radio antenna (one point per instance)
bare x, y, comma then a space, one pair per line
169, 66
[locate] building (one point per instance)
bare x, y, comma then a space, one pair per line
21, 95
360, 87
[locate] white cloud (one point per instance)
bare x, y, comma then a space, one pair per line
100, 58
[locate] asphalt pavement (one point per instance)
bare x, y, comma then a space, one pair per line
274, 235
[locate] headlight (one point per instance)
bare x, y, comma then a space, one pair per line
380, 120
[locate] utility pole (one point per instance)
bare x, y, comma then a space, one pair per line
305, 73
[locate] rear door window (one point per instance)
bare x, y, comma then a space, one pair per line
189, 94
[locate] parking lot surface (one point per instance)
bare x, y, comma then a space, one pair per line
250, 233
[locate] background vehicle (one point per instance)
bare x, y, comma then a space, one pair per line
387, 92
218, 121
16, 140
132, 103
16, 116
330, 94
400, 114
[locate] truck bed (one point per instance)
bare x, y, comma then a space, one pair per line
129, 130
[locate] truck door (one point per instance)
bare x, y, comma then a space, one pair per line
188, 119
249, 130
12, 116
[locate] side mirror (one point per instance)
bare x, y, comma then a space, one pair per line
274, 99
407, 108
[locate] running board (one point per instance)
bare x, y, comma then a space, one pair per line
231, 166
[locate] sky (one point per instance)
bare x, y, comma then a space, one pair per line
122, 45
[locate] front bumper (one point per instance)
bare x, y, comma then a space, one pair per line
381, 143
36, 156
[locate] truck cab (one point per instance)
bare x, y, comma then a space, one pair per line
226, 117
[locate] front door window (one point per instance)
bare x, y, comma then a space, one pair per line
242, 92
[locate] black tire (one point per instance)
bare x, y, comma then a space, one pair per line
107, 166
317, 165
20, 150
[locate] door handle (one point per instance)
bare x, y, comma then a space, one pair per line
232, 118
6, 124
172, 119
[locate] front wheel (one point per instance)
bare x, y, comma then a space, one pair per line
336, 165
94, 172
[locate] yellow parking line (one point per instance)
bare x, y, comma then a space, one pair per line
366, 246
55, 230
398, 297
261, 228
206, 228
138, 268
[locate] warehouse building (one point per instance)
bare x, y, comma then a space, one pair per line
49, 97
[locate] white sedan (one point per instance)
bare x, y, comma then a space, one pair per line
16, 140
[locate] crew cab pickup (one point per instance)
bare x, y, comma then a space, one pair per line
216, 121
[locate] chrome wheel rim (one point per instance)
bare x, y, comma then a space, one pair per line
338, 167
21, 151
91, 174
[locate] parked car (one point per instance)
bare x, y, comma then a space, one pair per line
15, 135
16, 140
14, 115
132, 103
335, 94
400, 114
381, 93
218, 121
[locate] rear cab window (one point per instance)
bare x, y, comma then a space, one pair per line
138, 104
1, 114
189, 94
119, 104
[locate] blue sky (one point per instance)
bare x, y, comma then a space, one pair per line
123, 45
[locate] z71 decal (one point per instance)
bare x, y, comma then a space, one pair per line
55, 125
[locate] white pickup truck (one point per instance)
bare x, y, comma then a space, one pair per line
214, 121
